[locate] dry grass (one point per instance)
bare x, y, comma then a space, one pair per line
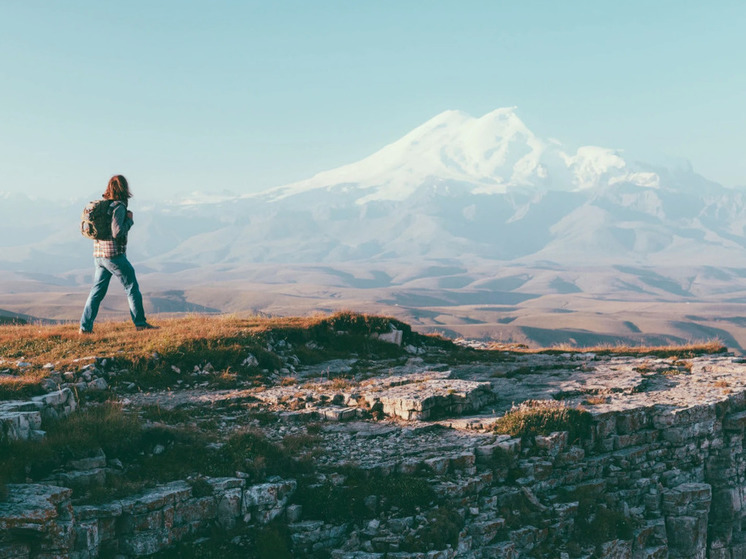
341, 384
542, 417
678, 351
23, 385
224, 342
62, 343
685, 365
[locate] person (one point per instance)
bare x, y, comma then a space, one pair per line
111, 259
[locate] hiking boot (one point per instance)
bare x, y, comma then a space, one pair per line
85, 332
147, 326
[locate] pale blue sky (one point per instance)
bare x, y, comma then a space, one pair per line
185, 95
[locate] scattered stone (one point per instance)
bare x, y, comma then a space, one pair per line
98, 384
49, 385
393, 337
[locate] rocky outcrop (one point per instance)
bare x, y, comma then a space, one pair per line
36, 521
659, 472
428, 395
39, 520
22, 420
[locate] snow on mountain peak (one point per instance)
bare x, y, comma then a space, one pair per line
492, 153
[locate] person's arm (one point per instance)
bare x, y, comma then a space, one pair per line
121, 221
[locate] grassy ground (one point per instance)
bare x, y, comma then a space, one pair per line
225, 341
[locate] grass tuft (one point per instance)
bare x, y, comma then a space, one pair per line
685, 351
542, 417
709, 347
150, 453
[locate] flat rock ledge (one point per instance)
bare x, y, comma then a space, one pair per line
421, 396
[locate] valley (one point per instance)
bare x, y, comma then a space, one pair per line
537, 306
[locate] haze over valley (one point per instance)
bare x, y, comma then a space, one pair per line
466, 226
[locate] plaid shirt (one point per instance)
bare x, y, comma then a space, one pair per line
109, 249
120, 224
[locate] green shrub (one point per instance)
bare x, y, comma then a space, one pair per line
185, 454
344, 333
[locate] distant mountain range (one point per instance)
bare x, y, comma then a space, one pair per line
456, 187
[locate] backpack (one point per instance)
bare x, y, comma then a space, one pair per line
95, 222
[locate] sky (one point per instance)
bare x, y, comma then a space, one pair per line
240, 96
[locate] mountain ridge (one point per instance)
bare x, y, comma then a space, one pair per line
494, 153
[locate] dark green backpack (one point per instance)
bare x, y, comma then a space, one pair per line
95, 222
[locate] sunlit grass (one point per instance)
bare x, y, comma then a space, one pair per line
23, 385
542, 417
693, 349
62, 344
223, 341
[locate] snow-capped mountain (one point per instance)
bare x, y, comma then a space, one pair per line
493, 154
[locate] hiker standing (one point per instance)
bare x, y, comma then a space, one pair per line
109, 250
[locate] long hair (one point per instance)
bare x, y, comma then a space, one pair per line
117, 189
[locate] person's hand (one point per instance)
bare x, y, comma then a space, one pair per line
129, 214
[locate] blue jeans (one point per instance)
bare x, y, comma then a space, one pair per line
105, 268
